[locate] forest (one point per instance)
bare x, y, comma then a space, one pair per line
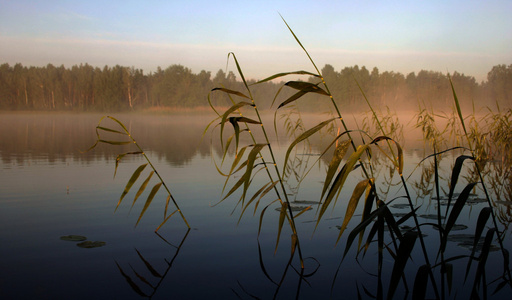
113, 89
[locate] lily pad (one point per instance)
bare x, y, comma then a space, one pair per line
456, 227
431, 216
91, 244
296, 208
73, 238
400, 205
307, 202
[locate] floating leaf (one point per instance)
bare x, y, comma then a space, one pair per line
90, 244
73, 238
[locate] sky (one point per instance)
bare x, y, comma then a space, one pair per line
467, 36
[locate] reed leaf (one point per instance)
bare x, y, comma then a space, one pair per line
403, 254
130, 183
307, 87
263, 213
340, 179
148, 201
399, 160
142, 187
304, 136
116, 143
275, 76
228, 112
339, 153
480, 225
260, 191
110, 130
165, 220
420, 282
250, 165
455, 212
282, 216
483, 258
121, 156
360, 227
232, 92
302, 211
455, 174
292, 98
352, 204
130, 281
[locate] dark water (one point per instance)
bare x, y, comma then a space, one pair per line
50, 189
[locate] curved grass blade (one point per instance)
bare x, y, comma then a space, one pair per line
148, 201
455, 174
399, 160
352, 204
130, 183
230, 92
361, 226
121, 156
275, 76
454, 214
142, 188
480, 225
228, 112
250, 165
304, 136
132, 284
110, 130
260, 191
483, 258
339, 153
420, 282
142, 278
403, 254
262, 213
292, 98
302, 211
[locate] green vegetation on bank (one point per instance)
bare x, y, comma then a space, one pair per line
109, 89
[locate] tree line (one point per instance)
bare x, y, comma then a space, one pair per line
87, 88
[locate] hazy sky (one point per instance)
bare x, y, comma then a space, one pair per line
405, 36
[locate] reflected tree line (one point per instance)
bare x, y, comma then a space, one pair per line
118, 88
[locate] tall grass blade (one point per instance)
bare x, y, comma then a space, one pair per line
250, 165
360, 227
110, 130
263, 213
260, 191
399, 159
142, 278
480, 225
457, 105
352, 204
403, 254
229, 112
130, 183
455, 174
483, 258
121, 156
142, 188
420, 282
455, 212
116, 143
148, 201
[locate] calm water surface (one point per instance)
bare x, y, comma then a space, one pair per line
50, 189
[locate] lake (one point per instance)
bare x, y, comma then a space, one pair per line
51, 189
